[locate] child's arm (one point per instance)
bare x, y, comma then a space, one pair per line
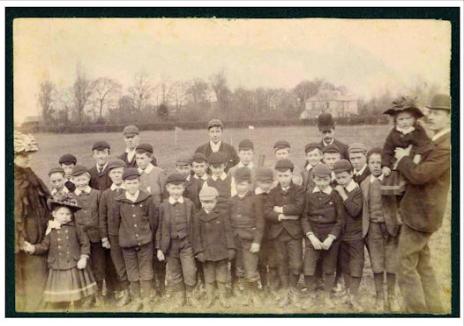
298, 205
269, 213
83, 241
354, 203
39, 248
258, 208
388, 152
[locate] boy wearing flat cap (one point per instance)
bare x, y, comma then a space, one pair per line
136, 220
357, 153
99, 178
174, 241
132, 139
351, 254
245, 153
282, 152
247, 220
219, 179
313, 156
109, 229
57, 188
330, 155
192, 185
216, 145
213, 245
323, 222
67, 163
326, 126
152, 178
283, 211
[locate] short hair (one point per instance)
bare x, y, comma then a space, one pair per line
375, 150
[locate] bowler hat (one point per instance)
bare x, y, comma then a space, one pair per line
67, 159
325, 121
440, 102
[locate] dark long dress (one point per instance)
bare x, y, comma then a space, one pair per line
31, 218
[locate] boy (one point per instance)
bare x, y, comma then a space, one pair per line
351, 255
99, 178
283, 210
174, 240
245, 153
67, 163
219, 178
109, 229
282, 152
200, 167
213, 245
313, 156
216, 145
322, 224
152, 178
246, 218
326, 126
89, 199
57, 180
132, 139
330, 155
357, 153
136, 220
380, 233
195, 181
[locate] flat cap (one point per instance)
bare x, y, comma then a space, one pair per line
264, 175
284, 165
245, 145
175, 178
280, 144
130, 130
215, 123
342, 166
312, 146
79, 170
184, 160
130, 174
325, 121
55, 170
217, 158
144, 148
67, 159
357, 148
100, 145
208, 193
331, 149
116, 163
242, 174
199, 158
440, 102
321, 170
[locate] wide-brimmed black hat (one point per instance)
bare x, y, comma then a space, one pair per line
64, 201
404, 104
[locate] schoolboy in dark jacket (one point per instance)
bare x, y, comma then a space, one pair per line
99, 178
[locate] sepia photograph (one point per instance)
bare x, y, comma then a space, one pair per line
208, 164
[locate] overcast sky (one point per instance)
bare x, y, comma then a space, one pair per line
367, 56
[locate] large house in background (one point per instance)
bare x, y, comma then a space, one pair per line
330, 101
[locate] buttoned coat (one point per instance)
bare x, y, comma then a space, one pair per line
88, 216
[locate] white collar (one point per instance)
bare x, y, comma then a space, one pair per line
373, 178
327, 190
86, 190
223, 176
172, 201
327, 144
115, 187
441, 133
360, 172
308, 167
285, 188
259, 191
405, 131
351, 186
64, 190
147, 170
132, 198
103, 168
215, 147
241, 165
204, 177
332, 176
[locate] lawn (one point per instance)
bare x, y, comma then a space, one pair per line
52, 146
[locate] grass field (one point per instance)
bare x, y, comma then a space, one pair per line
53, 145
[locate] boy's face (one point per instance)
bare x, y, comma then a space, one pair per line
330, 159
142, 159
282, 153
184, 169
101, 156
264, 185
321, 182
217, 170
81, 181
344, 178
62, 215
199, 168
209, 205
68, 168
314, 157
243, 187
132, 141
57, 180
246, 156
375, 164
405, 119
327, 135
116, 175
358, 160
215, 134
284, 177
132, 185
22, 160
175, 191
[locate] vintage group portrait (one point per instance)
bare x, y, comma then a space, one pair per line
213, 165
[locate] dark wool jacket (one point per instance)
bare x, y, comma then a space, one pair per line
88, 216
99, 181
228, 150
136, 221
212, 234
65, 246
192, 191
106, 210
247, 217
353, 206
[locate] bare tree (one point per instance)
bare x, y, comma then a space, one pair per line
141, 91
221, 90
82, 90
197, 91
105, 94
47, 95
